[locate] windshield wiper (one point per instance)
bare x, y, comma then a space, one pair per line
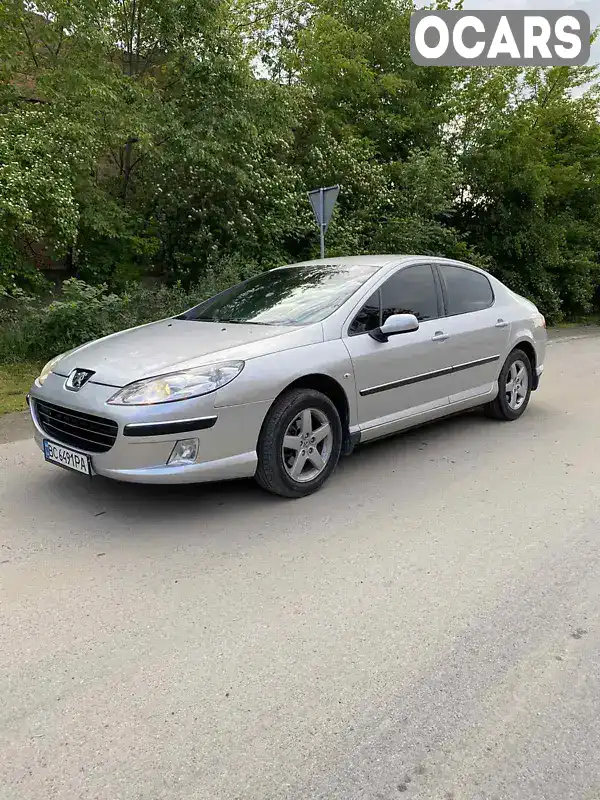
224, 321
240, 321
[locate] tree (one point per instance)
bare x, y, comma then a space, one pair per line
179, 138
529, 151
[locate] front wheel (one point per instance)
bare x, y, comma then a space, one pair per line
300, 444
514, 388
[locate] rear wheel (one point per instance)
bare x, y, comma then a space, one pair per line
300, 444
514, 388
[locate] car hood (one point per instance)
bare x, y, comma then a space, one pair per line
174, 344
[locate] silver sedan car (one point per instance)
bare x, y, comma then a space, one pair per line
278, 376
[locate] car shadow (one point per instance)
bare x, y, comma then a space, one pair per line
239, 502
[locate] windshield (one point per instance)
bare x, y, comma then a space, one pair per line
288, 296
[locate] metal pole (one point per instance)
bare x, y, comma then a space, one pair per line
322, 226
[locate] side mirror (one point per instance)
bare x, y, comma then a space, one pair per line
395, 324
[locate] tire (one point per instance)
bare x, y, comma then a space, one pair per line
294, 471
510, 404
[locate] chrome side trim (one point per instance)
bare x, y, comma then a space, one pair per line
425, 376
171, 426
478, 363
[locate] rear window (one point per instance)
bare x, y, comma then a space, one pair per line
466, 290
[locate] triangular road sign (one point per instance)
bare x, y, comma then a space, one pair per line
323, 209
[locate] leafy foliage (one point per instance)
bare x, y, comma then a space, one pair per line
531, 191
178, 139
32, 329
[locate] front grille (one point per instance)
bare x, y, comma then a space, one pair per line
83, 431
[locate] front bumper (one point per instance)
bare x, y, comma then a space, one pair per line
227, 449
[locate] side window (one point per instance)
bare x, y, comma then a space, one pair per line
367, 318
411, 290
466, 290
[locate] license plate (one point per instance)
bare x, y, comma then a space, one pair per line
65, 457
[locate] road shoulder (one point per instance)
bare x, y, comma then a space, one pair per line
15, 426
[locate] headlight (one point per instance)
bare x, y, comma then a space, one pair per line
178, 385
40, 380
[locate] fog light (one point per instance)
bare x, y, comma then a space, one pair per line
184, 452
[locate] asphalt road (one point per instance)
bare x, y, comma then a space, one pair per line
427, 626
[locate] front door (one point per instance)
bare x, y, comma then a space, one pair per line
409, 374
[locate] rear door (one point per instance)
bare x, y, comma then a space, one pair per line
409, 373
478, 330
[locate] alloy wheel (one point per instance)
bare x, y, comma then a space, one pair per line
307, 445
517, 385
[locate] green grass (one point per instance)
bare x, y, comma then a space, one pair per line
15, 381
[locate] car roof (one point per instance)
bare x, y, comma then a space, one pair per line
379, 261
353, 261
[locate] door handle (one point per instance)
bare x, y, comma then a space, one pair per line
440, 336
501, 323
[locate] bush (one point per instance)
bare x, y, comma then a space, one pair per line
17, 274
33, 331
